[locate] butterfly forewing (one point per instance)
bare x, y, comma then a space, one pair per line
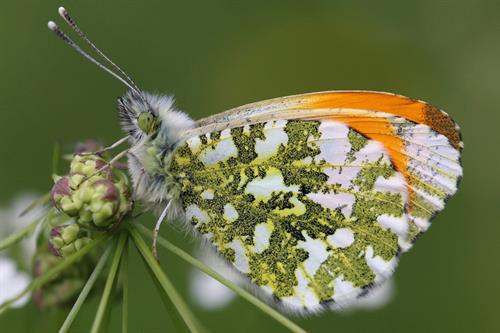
315, 208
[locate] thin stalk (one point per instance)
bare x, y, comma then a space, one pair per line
125, 297
237, 289
21, 234
85, 291
55, 271
175, 317
38, 202
167, 286
108, 288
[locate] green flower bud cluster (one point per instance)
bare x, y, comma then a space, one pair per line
91, 193
91, 199
68, 239
63, 290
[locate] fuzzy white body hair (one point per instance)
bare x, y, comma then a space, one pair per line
152, 184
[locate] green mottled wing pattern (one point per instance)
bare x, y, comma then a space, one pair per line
312, 212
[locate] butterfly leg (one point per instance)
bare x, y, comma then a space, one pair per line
108, 148
157, 229
108, 165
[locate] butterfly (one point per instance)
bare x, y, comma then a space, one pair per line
313, 198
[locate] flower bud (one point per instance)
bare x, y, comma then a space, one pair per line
105, 202
93, 199
61, 196
126, 202
75, 180
67, 239
87, 165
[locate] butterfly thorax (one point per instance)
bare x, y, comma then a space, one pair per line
155, 129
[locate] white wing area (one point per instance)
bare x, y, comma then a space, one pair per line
435, 170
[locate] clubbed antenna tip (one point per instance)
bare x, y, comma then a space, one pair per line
67, 18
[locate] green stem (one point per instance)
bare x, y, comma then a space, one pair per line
18, 236
167, 286
38, 202
173, 314
124, 275
102, 310
85, 291
237, 289
55, 271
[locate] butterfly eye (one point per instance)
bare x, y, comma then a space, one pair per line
147, 122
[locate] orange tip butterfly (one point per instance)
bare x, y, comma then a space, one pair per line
311, 198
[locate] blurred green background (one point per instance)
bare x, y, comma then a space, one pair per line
218, 54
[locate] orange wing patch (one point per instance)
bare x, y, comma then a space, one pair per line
413, 110
383, 132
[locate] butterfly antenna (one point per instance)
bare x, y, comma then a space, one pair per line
69, 20
59, 33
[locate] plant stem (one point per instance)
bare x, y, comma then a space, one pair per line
38, 202
18, 236
85, 291
55, 271
125, 298
108, 288
167, 286
237, 289
173, 313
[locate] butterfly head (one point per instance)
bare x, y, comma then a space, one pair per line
146, 117
138, 118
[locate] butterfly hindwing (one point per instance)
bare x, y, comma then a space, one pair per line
311, 211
